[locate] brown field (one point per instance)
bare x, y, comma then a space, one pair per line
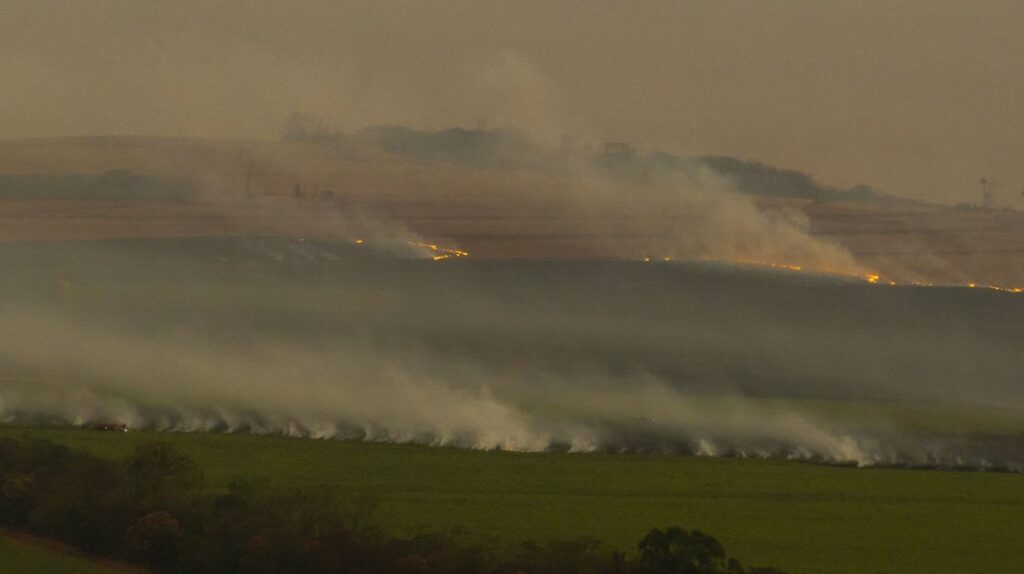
246, 189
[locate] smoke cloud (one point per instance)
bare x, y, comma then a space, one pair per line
916, 117
307, 301
329, 341
697, 214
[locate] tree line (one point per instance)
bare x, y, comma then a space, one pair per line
150, 508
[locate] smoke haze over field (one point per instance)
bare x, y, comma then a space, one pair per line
267, 221
329, 340
915, 99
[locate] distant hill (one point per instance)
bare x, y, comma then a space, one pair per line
110, 185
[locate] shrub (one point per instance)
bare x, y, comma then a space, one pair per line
154, 540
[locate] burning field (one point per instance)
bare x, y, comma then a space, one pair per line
513, 287
409, 342
567, 299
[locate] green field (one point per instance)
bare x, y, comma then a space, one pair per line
24, 558
796, 516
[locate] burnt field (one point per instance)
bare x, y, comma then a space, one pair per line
134, 187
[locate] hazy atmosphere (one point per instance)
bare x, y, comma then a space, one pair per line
919, 98
717, 201
511, 287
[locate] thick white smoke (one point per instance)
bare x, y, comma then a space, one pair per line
698, 215
83, 373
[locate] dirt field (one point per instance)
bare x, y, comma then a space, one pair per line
248, 188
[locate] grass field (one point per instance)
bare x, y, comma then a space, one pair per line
796, 516
17, 557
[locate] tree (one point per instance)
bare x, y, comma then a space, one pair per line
17, 496
678, 551
161, 477
154, 539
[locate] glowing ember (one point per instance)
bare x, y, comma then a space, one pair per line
1003, 289
872, 278
440, 253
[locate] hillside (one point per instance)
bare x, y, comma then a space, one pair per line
161, 187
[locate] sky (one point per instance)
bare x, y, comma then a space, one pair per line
917, 98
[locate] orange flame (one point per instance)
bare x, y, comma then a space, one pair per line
440, 253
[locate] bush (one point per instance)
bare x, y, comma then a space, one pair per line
154, 540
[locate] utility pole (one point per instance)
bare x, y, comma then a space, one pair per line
986, 193
249, 169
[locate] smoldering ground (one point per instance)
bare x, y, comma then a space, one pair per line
327, 339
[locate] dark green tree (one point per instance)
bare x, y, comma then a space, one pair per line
154, 540
679, 551
161, 477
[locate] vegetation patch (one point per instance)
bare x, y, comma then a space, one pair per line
792, 515
150, 508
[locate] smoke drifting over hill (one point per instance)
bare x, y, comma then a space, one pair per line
845, 92
326, 282
643, 204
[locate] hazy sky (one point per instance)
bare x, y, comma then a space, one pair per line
919, 98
